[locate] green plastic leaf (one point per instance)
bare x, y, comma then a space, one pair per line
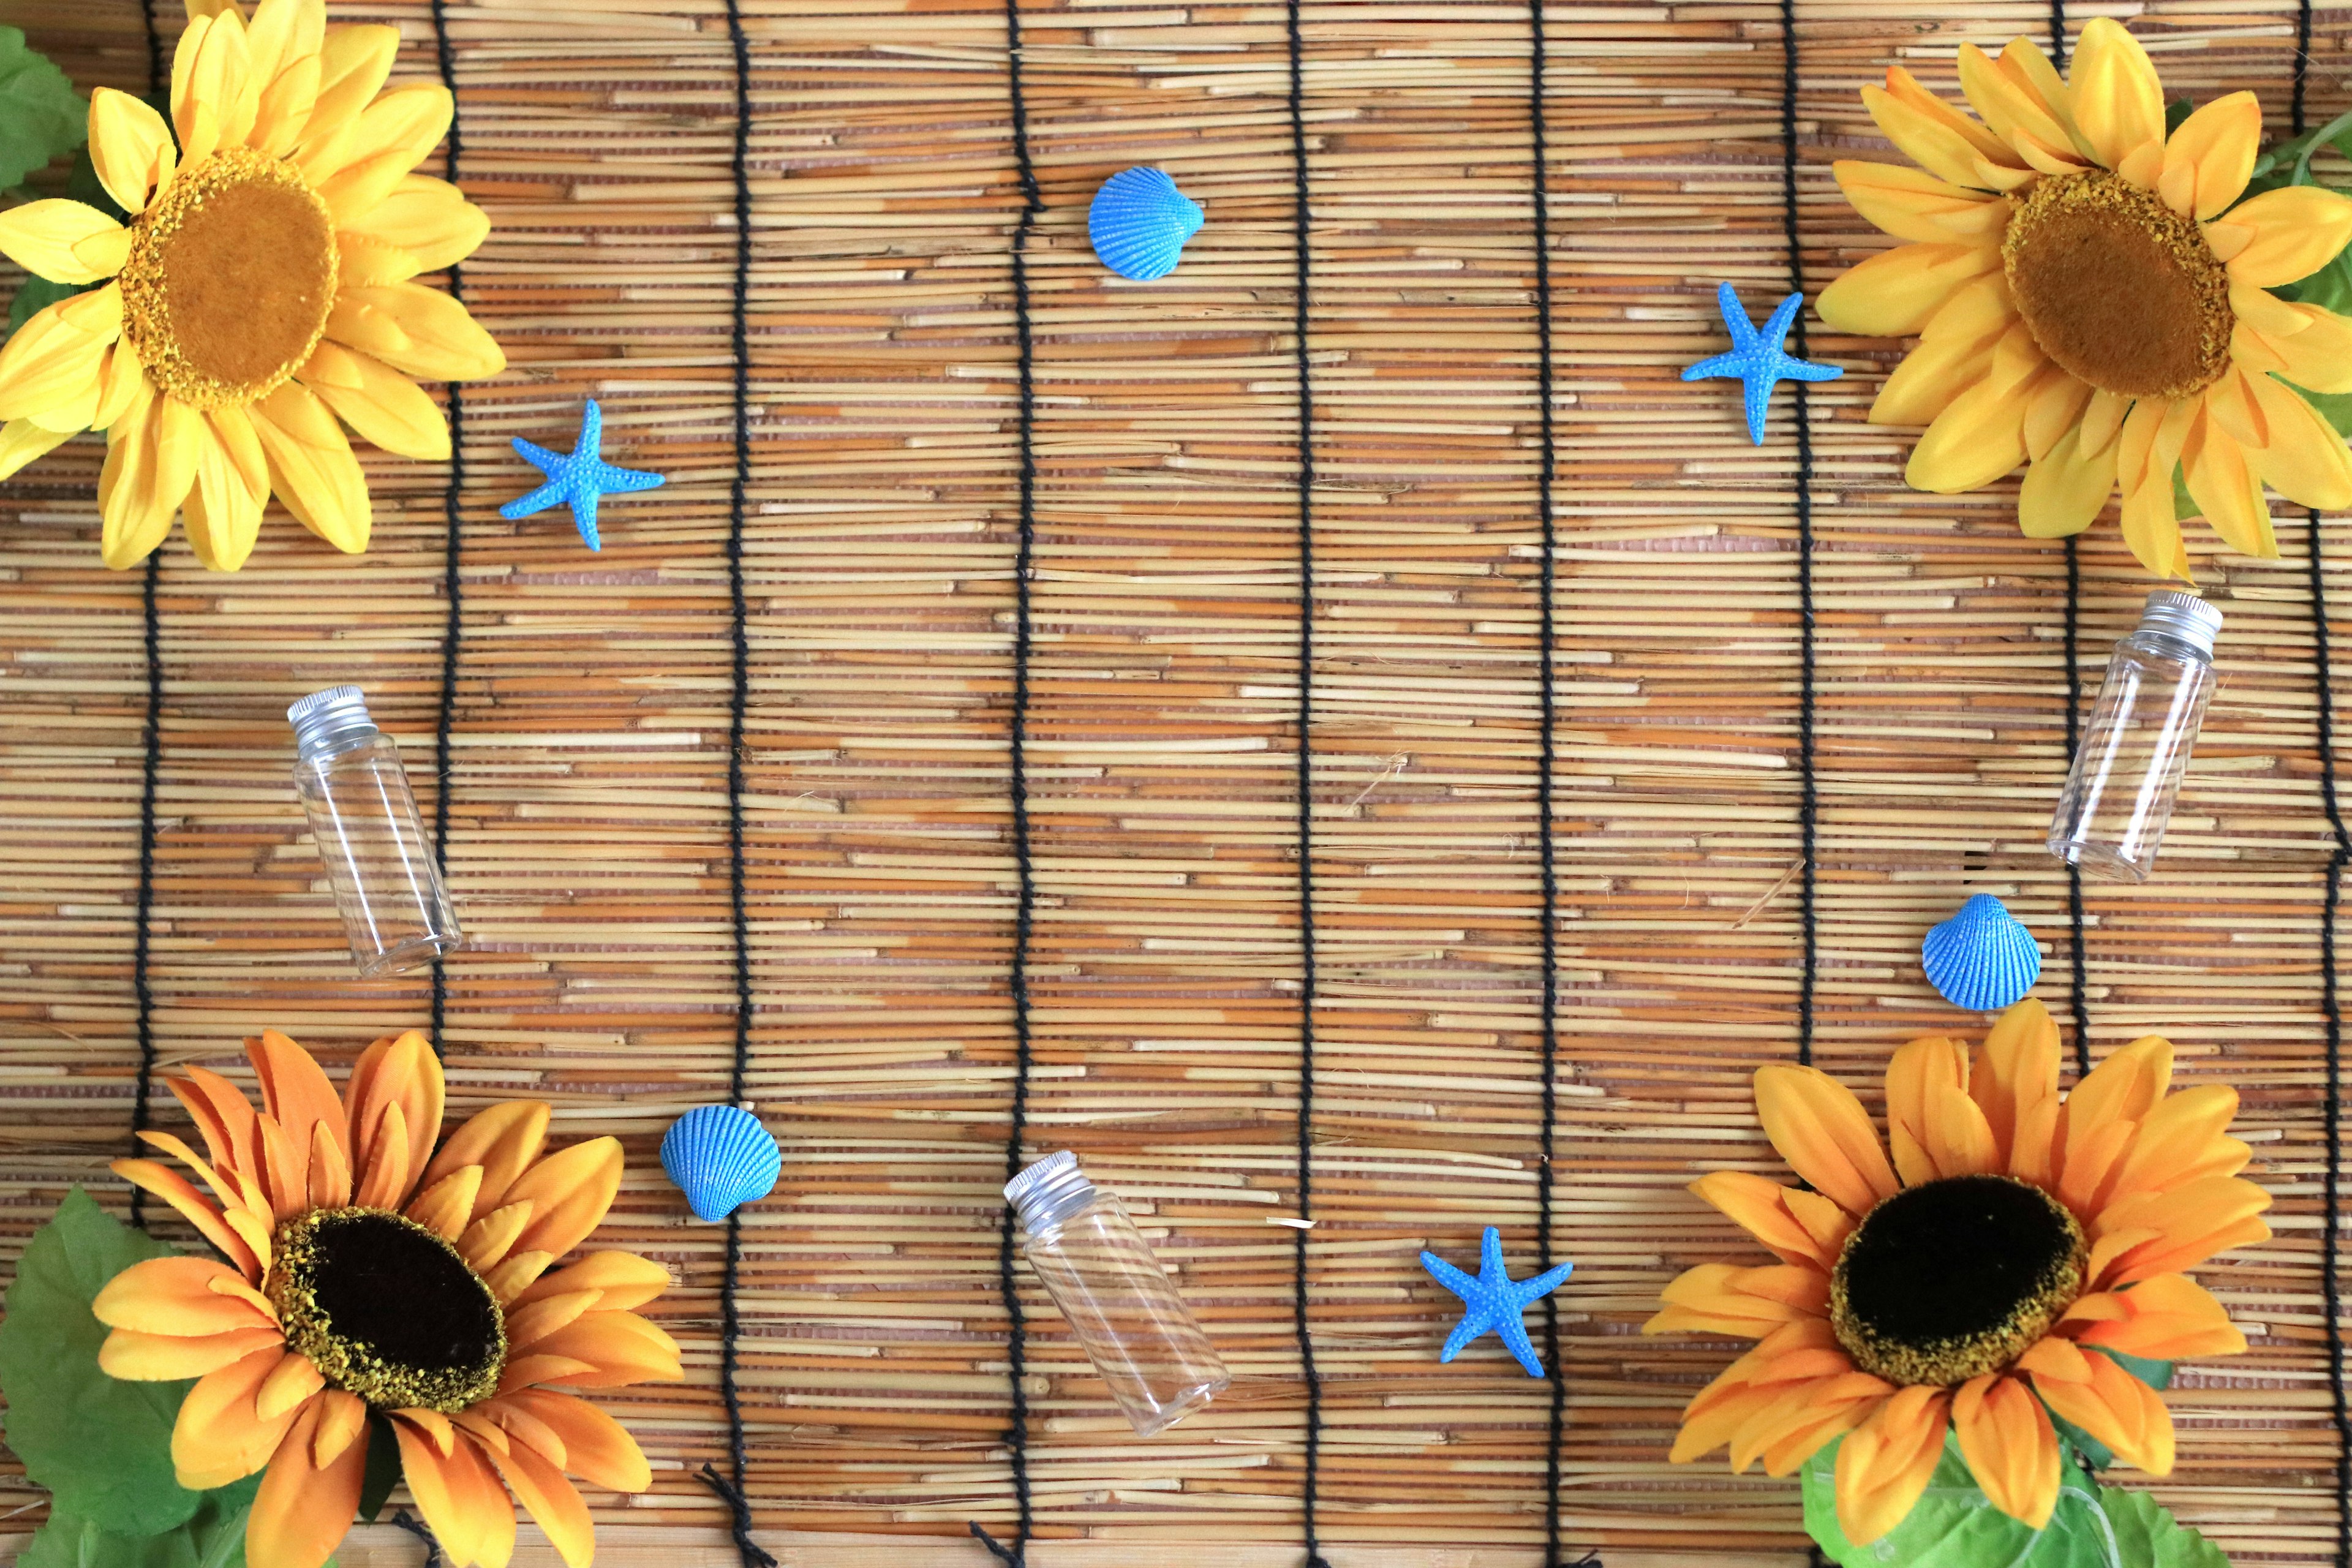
213, 1537
383, 1468
2147, 1533
41, 115
103, 1446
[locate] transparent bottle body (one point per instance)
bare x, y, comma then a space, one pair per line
2126, 772
1126, 1315
378, 857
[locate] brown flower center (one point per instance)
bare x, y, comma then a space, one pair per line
2118, 287
230, 277
1955, 1278
386, 1309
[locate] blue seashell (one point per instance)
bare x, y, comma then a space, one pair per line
1139, 222
1983, 958
720, 1157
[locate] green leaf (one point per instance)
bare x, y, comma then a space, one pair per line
383, 1468
41, 115
214, 1537
103, 1446
2147, 1533
2178, 109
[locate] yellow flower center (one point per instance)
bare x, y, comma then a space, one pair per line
386, 1309
2118, 287
1953, 1278
231, 275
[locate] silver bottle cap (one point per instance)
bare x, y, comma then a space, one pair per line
328, 721
2183, 616
1049, 1191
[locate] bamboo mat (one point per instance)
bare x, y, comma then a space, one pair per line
588, 799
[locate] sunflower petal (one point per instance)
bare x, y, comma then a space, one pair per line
427, 219
2118, 101
569, 1193
2066, 488
623, 1279
552, 1502
1912, 1075
53, 358
303, 1509
2184, 1139
342, 1418
2011, 1448
353, 62
1893, 293
1719, 1298
2214, 148
130, 148
2303, 459
219, 1436
2118, 1409
294, 1089
447, 1207
21, 441
418, 330
386, 1181
1755, 1204
175, 1296
223, 514
311, 468
1822, 1130
2228, 492
398, 1069
461, 1500
137, 1357
378, 402
504, 1139
1883, 1468
389, 138
2168, 1318
193, 1206
1912, 204
2191, 1222
1976, 440
597, 1448
44, 238
2297, 230
526, 1326
621, 1347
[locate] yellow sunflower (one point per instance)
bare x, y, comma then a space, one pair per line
262, 288
1972, 1285
2089, 300
367, 1273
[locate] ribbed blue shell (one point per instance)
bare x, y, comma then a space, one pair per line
720, 1157
1139, 222
1981, 959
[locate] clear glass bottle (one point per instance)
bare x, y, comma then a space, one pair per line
1115, 1295
2126, 772
379, 858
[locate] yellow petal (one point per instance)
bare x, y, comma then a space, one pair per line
420, 331
2317, 357
1893, 293
1883, 1468
219, 1436
2209, 159
428, 220
389, 138
1912, 204
569, 1192
44, 238
50, 360
2011, 1448
2303, 459
1972, 443
311, 468
305, 1505
286, 38
2118, 1409
2118, 101
224, 517
2226, 489
378, 402
21, 441
1755, 1205
2152, 438
213, 95
1935, 135
353, 62
129, 147
2297, 230
137, 1357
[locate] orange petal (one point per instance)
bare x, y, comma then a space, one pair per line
1912, 1074
137, 1357
284, 1168
521, 1426
219, 1436
398, 1072
1717, 1299
492, 1237
2168, 1318
221, 1113
303, 1510
1883, 1465
552, 1502
461, 1500
598, 1449
341, 1420
569, 1193
2118, 1409
1755, 1204
513, 1276
622, 1281
2191, 1224
193, 1206
296, 1092
445, 1207
2183, 1140
503, 1139
384, 1174
623, 1348
175, 1296
293, 1382
523, 1371
1822, 1130
330, 1169
2010, 1445
2017, 1068
526, 1326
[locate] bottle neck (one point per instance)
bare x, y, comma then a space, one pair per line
2148, 639
1049, 1202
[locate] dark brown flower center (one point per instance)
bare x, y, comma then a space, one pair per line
2118, 287
229, 281
1954, 1278
386, 1309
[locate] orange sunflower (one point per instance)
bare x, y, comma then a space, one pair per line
1972, 1285
2093, 299
367, 1273
262, 290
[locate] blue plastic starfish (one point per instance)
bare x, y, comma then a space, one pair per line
1494, 1300
577, 477
1757, 358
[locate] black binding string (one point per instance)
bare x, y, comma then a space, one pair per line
2078, 955
1024, 905
403, 1519
730, 1487
150, 746
1808, 788
1547, 737
1304, 788
2331, 1001
453, 624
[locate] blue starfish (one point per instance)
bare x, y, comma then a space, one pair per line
1757, 358
1494, 1300
578, 477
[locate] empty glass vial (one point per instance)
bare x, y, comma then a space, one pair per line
2126, 772
1115, 1295
379, 860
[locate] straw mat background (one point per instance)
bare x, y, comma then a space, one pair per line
588, 799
